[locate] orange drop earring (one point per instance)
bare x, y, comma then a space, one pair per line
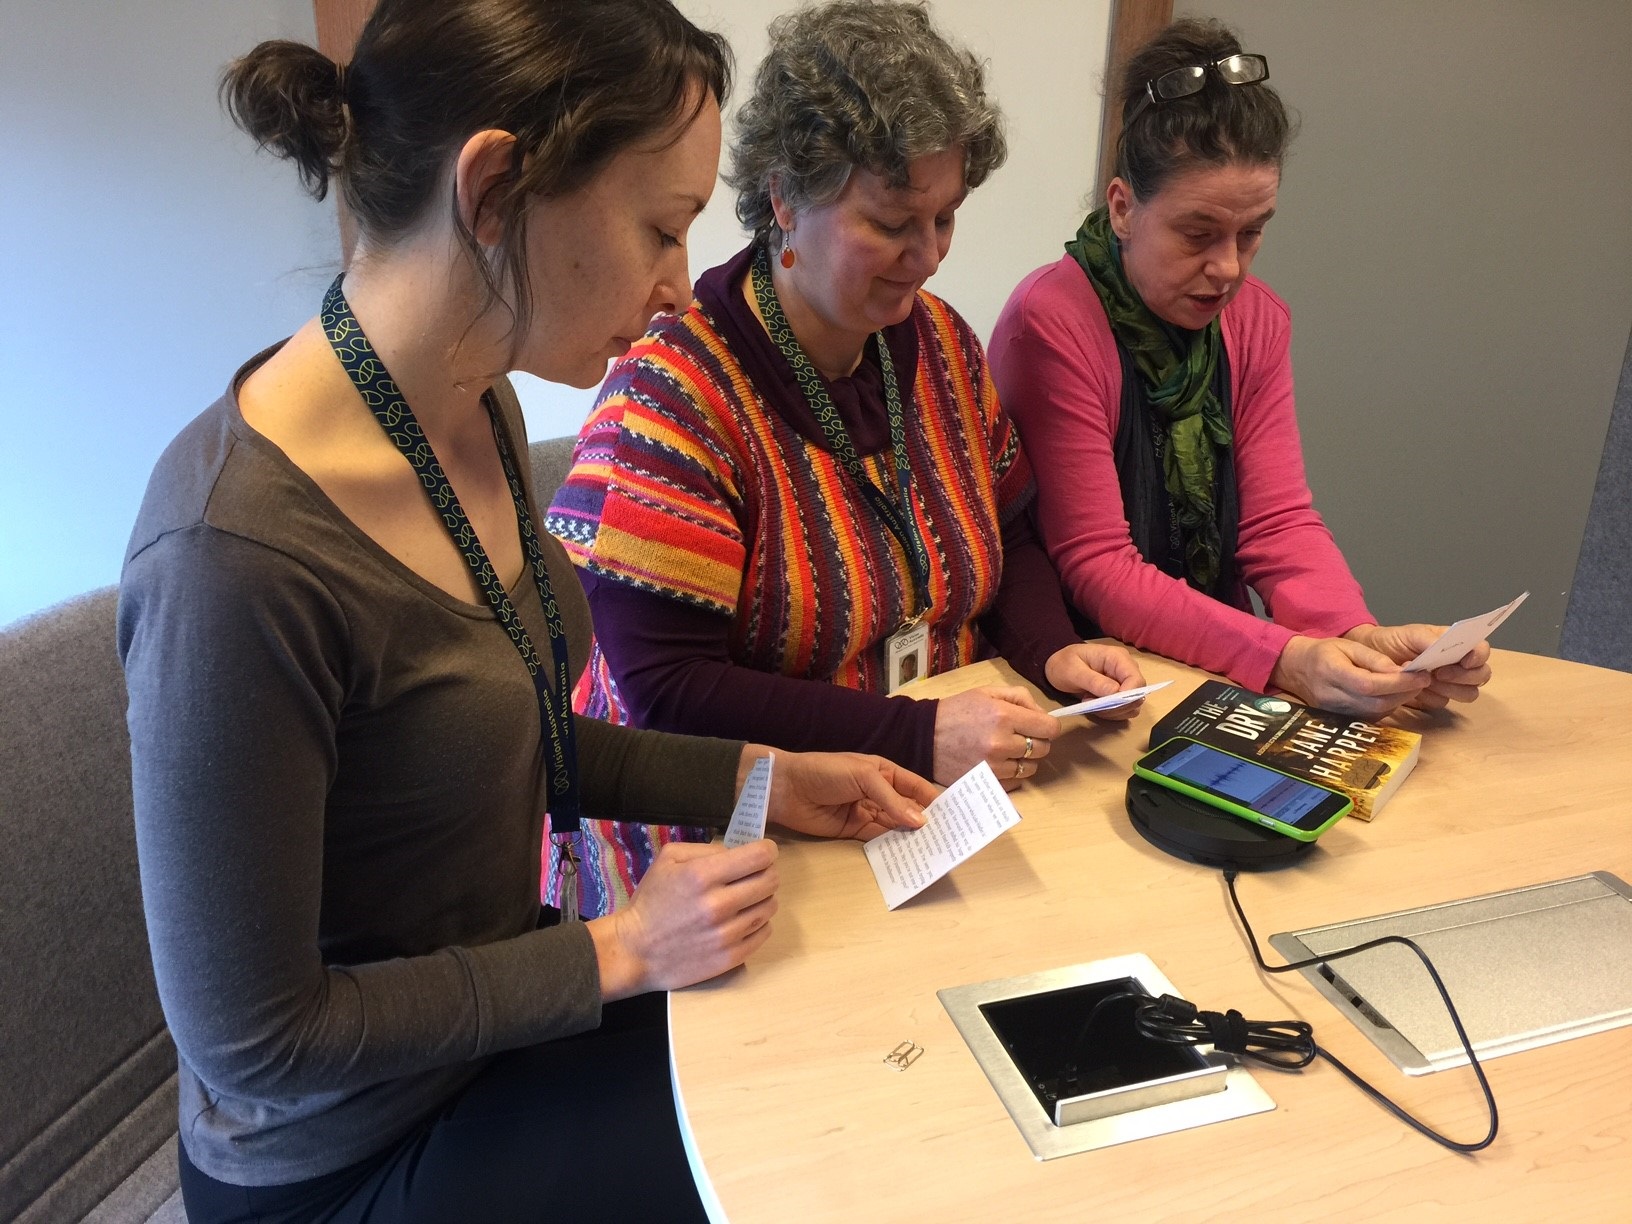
788, 257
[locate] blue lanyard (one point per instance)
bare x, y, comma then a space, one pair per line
898, 518
380, 392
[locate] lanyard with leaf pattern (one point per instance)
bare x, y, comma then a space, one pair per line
380, 392
898, 518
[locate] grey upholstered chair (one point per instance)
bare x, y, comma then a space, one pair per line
88, 1124
551, 458
1598, 620
88, 1127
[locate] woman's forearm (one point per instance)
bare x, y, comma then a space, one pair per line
672, 666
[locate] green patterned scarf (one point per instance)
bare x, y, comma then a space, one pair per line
1177, 368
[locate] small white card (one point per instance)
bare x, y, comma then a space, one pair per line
748, 817
1463, 637
1111, 702
968, 816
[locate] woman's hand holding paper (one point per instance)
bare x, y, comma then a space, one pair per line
1095, 669
1459, 681
842, 794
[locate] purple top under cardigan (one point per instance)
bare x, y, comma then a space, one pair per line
662, 649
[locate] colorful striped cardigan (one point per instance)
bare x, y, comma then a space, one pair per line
686, 483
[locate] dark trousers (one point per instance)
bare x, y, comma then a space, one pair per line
573, 1131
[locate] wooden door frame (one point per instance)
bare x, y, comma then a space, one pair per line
1133, 24
339, 22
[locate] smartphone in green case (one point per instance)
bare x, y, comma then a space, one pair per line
1265, 796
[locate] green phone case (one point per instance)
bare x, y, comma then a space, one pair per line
1236, 809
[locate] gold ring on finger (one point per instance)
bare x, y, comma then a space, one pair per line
1026, 755
1019, 768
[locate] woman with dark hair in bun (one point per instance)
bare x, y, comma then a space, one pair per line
349, 654
1156, 375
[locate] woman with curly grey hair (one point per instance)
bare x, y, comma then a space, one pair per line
801, 492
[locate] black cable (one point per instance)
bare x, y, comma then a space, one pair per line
1456, 1020
1286, 1045
1093, 1014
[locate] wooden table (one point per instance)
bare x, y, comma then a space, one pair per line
793, 1116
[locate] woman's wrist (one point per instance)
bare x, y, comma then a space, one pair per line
1057, 657
1287, 673
621, 972
1364, 634
745, 763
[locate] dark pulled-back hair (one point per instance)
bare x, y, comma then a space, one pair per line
1215, 127
575, 81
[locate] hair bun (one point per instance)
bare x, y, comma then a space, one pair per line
290, 98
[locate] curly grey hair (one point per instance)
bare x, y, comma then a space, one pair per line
857, 83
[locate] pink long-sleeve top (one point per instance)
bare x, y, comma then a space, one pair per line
1058, 374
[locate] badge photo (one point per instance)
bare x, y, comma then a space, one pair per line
906, 656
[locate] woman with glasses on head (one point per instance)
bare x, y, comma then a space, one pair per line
349, 656
802, 490
1156, 375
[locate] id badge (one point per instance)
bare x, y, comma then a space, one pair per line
906, 655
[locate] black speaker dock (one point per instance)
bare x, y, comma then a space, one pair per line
1193, 831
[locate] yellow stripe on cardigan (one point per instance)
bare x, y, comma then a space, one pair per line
695, 577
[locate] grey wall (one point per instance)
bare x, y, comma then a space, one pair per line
1455, 239
145, 251
1048, 86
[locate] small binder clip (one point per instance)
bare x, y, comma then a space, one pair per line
904, 1055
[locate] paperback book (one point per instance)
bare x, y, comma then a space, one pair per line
1365, 761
